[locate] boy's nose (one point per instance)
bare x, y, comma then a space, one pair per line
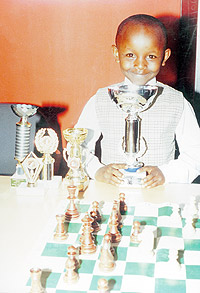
140, 63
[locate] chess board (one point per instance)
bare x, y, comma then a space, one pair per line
134, 270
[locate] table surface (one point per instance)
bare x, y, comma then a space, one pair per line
23, 218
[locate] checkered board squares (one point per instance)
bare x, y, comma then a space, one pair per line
135, 270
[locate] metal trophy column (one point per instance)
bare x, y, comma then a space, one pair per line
22, 139
132, 100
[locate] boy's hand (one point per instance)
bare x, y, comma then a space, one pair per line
110, 174
154, 176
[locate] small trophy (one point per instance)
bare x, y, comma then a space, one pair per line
32, 166
76, 174
46, 141
22, 139
133, 100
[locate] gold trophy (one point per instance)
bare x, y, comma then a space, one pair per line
133, 100
46, 142
73, 155
22, 139
32, 166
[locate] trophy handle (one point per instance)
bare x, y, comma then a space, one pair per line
64, 154
143, 149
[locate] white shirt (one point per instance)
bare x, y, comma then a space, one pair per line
182, 170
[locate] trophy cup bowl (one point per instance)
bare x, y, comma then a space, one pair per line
73, 155
132, 99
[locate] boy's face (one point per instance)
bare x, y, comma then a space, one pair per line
140, 52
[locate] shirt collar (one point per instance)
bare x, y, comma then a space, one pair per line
150, 82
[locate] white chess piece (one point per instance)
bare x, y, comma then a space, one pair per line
173, 263
188, 229
175, 216
146, 245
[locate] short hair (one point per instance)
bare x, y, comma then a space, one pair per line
143, 19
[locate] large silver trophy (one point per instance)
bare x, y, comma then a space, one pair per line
22, 139
132, 99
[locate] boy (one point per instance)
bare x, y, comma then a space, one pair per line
141, 50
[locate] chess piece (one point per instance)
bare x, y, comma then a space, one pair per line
87, 240
60, 230
134, 238
95, 224
106, 257
103, 286
189, 229
95, 208
36, 286
72, 211
175, 216
173, 261
71, 276
122, 205
72, 254
146, 246
192, 210
116, 206
113, 225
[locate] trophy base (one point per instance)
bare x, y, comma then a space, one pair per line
132, 178
16, 179
82, 184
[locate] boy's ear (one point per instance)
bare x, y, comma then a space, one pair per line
115, 53
167, 54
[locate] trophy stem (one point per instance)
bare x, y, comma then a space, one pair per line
22, 141
132, 134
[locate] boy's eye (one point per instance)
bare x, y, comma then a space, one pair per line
151, 57
130, 55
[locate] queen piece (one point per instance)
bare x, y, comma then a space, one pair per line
132, 100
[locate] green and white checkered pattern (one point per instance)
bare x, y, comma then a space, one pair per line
134, 271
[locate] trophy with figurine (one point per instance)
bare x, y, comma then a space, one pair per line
22, 139
73, 155
46, 142
133, 99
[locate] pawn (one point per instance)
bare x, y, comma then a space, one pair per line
189, 229
73, 254
134, 238
116, 206
95, 208
173, 261
114, 232
106, 257
87, 240
103, 286
72, 211
36, 286
122, 205
71, 276
60, 230
108, 238
95, 224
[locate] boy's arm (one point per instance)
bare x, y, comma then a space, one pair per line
88, 119
187, 167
